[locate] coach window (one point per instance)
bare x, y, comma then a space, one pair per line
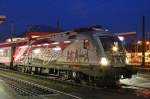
86, 44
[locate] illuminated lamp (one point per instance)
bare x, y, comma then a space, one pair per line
39, 45
67, 41
115, 48
147, 42
1, 50
56, 48
121, 38
36, 51
8, 40
35, 36
55, 43
2, 18
139, 42
104, 61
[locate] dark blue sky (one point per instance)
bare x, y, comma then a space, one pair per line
116, 15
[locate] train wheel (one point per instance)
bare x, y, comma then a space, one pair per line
81, 78
76, 77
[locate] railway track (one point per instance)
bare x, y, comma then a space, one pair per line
52, 78
71, 82
65, 81
26, 88
22, 91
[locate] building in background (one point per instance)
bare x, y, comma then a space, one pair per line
134, 48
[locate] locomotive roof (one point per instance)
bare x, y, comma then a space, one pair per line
38, 40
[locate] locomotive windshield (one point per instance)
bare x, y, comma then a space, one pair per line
110, 43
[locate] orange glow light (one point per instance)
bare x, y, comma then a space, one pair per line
147, 42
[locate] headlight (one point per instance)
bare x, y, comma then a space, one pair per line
127, 61
115, 48
104, 61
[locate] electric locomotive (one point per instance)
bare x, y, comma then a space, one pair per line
87, 54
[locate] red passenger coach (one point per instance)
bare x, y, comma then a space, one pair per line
10, 49
5, 53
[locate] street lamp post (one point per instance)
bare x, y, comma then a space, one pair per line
143, 41
12, 45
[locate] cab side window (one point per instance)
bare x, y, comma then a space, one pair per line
86, 44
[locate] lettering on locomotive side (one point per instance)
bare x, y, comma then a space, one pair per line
46, 55
79, 51
77, 55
